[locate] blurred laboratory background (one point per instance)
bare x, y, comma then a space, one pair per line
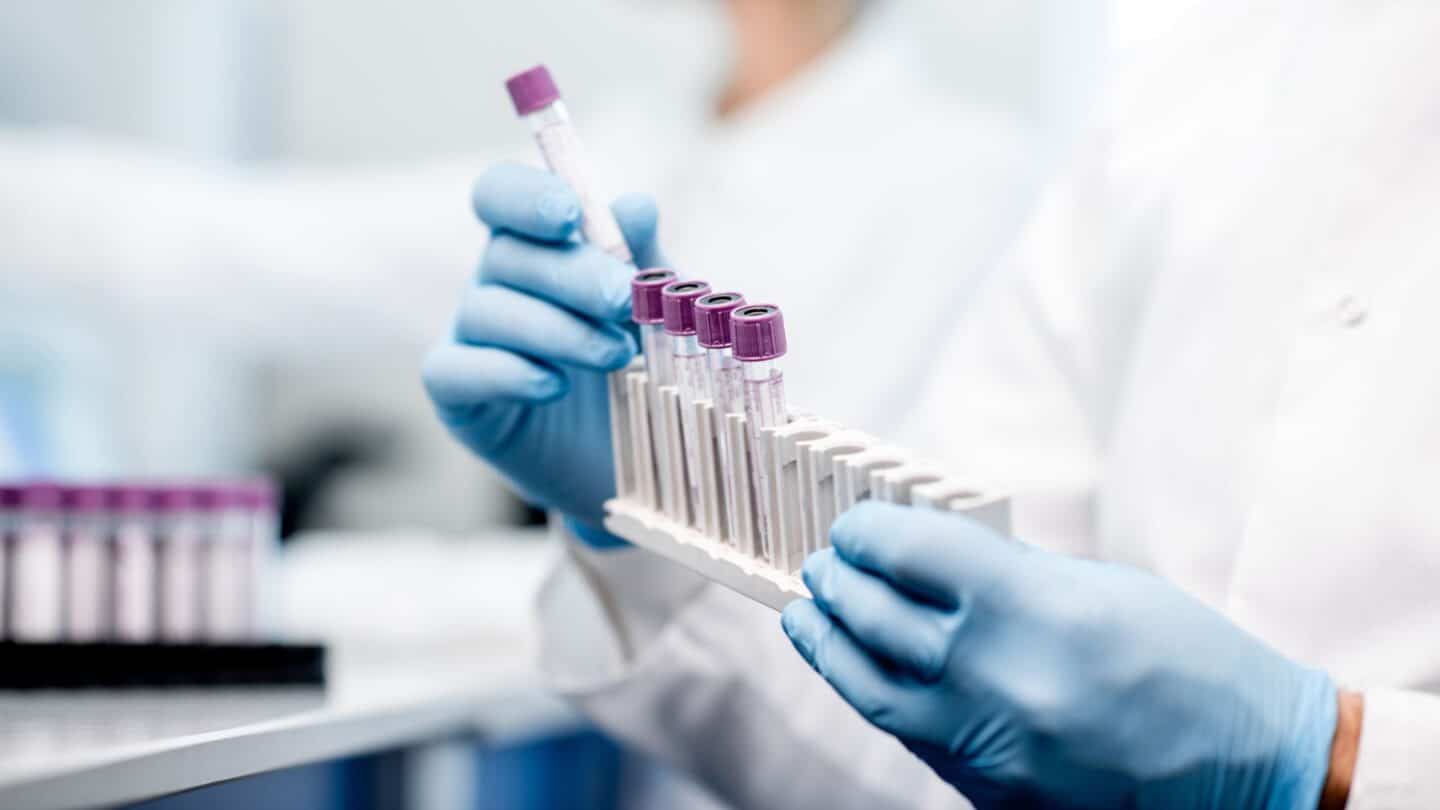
230, 228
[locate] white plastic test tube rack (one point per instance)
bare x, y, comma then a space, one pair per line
818, 469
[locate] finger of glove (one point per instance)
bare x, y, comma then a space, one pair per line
639, 220
460, 378
887, 623
491, 315
576, 276
527, 201
936, 556
858, 678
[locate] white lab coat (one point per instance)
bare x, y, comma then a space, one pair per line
1209, 357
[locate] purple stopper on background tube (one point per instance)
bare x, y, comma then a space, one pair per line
9, 496
129, 498
712, 318
41, 495
678, 300
759, 332
86, 498
532, 90
646, 305
174, 499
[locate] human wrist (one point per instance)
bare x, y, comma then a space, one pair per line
1344, 749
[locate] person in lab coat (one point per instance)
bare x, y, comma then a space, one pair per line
864, 118
1205, 361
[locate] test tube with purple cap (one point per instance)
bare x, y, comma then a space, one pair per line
712, 326
87, 563
691, 377
537, 99
759, 341
38, 564
133, 575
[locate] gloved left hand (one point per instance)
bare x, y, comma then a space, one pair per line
1026, 678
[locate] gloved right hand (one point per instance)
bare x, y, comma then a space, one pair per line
521, 381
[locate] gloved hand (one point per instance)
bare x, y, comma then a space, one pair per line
1026, 678
521, 382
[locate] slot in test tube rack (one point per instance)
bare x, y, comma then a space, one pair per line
817, 470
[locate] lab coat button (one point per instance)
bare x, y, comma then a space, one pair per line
1350, 312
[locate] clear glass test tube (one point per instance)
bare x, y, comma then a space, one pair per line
228, 566
691, 377
537, 99
37, 559
712, 326
262, 500
759, 342
648, 311
9, 520
87, 563
133, 590
182, 518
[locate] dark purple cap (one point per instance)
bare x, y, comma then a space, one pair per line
258, 493
532, 90
41, 495
85, 498
207, 496
712, 318
678, 301
9, 495
759, 332
174, 499
129, 498
645, 301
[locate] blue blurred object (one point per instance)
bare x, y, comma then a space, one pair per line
580, 769
1026, 678
522, 380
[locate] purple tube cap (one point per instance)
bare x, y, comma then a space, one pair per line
175, 499
129, 498
678, 302
759, 332
9, 496
86, 498
532, 90
712, 318
646, 305
41, 495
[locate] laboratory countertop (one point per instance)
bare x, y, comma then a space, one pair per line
101, 748
428, 639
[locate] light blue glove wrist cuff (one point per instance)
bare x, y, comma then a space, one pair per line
1300, 776
599, 538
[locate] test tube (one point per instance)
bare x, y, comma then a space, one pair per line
38, 565
712, 328
262, 499
181, 520
87, 563
648, 310
133, 581
759, 340
228, 575
9, 519
537, 100
678, 302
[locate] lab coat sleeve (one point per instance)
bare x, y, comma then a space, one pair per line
703, 678
1399, 749
268, 256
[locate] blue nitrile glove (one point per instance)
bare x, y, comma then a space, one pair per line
1030, 679
522, 380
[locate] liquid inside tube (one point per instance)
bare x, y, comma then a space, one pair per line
559, 143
